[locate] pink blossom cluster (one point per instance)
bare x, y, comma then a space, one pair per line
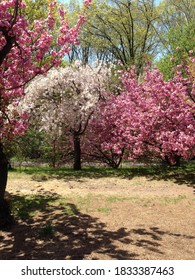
152, 117
22, 56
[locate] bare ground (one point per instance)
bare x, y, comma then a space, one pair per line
102, 218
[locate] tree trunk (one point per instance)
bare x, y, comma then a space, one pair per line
175, 160
5, 216
77, 152
3, 172
54, 154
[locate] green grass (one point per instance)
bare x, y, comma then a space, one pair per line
113, 199
70, 210
66, 172
31, 207
172, 200
105, 209
182, 174
146, 201
25, 207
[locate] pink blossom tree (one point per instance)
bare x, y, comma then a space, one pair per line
24, 53
101, 131
152, 117
64, 101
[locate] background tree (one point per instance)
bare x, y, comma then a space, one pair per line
176, 31
36, 10
84, 51
117, 31
122, 31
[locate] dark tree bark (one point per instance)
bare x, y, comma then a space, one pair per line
176, 162
3, 172
77, 152
5, 216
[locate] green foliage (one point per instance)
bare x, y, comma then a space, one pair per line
36, 146
118, 31
176, 29
36, 9
54, 151
26, 147
181, 40
166, 67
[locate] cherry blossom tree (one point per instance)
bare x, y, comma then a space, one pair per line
100, 131
152, 117
65, 99
25, 52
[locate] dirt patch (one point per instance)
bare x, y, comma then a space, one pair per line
102, 218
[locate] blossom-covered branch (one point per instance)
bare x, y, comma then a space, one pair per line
27, 52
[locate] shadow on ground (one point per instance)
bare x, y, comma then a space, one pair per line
50, 228
184, 174
179, 175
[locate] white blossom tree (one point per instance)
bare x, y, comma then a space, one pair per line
64, 100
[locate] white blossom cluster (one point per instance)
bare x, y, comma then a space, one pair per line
65, 98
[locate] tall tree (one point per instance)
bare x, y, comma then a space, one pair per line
118, 31
122, 31
65, 100
24, 53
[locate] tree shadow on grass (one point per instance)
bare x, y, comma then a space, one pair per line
54, 229
50, 228
180, 175
184, 174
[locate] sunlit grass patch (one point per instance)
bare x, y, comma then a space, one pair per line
172, 200
70, 209
147, 201
113, 199
104, 209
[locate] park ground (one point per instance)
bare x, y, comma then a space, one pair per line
101, 214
